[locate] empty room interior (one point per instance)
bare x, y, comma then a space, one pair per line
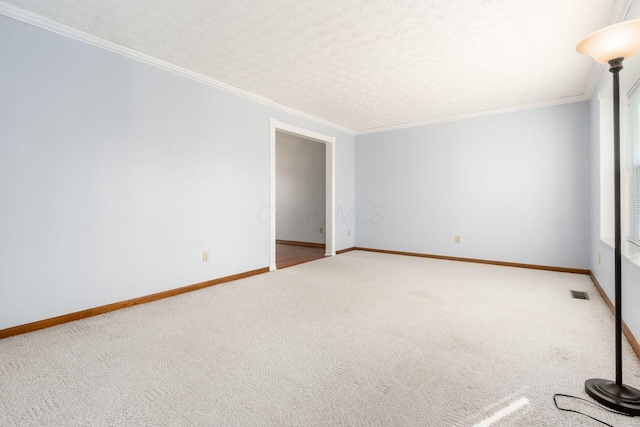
304, 213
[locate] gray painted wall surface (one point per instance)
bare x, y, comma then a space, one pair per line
300, 189
603, 268
512, 186
115, 176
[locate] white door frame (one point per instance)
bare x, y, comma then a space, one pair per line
329, 141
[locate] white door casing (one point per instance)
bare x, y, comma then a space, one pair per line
330, 151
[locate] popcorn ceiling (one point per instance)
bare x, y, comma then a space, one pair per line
361, 64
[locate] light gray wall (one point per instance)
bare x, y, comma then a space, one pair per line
300, 189
512, 186
602, 267
115, 176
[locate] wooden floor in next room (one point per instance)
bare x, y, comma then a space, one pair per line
288, 255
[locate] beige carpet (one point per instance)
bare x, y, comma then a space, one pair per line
360, 339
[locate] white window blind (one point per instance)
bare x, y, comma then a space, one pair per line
634, 121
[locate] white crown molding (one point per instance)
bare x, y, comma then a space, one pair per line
561, 101
64, 30
594, 79
618, 14
619, 11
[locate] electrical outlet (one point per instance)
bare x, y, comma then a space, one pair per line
348, 233
205, 256
320, 230
457, 239
599, 260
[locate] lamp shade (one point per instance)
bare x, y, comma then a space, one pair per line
616, 41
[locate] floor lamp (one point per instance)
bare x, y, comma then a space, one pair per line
612, 45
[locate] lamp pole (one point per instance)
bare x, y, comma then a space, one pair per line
615, 65
612, 45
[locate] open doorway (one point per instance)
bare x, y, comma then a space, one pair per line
301, 224
300, 200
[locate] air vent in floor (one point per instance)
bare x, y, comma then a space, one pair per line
579, 295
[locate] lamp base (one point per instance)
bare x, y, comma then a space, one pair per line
623, 398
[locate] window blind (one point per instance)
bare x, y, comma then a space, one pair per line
634, 121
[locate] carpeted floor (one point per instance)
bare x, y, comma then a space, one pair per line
359, 339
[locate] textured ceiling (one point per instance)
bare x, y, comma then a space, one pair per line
361, 64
